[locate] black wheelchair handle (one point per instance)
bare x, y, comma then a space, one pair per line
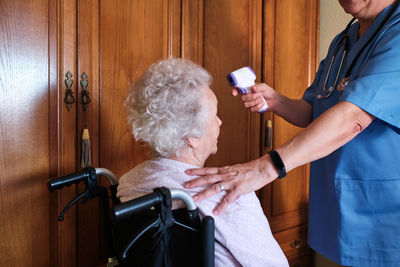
125, 210
67, 180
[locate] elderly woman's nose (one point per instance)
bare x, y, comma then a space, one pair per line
219, 121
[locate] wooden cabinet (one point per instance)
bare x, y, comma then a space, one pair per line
113, 42
293, 242
36, 142
289, 65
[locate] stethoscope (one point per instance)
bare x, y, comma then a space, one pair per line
343, 42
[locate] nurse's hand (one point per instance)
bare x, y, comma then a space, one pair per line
254, 101
236, 180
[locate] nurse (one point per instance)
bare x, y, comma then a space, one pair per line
351, 136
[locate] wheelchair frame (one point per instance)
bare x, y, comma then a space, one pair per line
122, 211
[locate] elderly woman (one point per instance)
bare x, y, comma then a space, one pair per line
173, 110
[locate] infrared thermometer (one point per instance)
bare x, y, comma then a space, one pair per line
243, 79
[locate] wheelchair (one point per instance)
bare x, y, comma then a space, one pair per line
145, 231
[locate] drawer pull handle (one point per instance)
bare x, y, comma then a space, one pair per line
296, 243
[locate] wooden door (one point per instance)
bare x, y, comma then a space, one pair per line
37, 132
113, 42
232, 40
290, 70
289, 65
118, 41
24, 143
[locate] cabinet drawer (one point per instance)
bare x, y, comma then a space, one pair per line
294, 244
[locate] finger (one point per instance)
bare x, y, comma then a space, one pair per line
235, 92
200, 181
257, 88
252, 103
228, 199
225, 169
257, 107
201, 171
249, 97
212, 190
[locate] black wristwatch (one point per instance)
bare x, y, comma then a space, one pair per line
278, 163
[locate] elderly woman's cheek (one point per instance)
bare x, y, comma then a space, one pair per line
217, 132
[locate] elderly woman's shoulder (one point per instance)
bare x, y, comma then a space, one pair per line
134, 172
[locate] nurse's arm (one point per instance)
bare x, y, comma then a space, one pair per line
334, 128
295, 111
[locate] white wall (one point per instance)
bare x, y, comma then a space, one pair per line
333, 20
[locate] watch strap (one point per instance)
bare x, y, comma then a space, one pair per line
278, 163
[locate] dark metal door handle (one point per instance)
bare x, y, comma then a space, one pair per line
69, 95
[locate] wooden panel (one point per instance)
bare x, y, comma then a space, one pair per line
88, 226
172, 28
63, 234
293, 50
294, 244
24, 131
268, 77
232, 40
127, 37
88, 62
55, 103
132, 36
192, 30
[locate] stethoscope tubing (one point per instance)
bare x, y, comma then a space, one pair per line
342, 42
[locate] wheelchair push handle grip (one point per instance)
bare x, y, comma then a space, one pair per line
124, 210
67, 180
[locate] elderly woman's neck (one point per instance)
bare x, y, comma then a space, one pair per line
189, 159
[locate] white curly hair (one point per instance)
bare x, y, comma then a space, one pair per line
164, 106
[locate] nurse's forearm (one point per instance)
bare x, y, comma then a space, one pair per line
328, 132
295, 111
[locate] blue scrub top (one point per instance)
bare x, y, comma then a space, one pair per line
354, 212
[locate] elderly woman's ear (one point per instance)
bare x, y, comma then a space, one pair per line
193, 141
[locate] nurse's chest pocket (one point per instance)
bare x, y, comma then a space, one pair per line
369, 213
